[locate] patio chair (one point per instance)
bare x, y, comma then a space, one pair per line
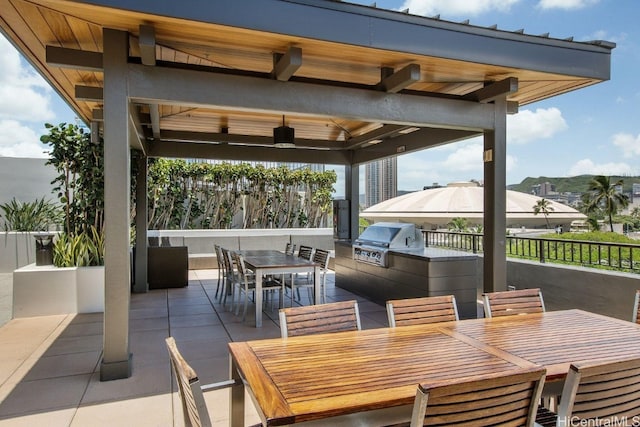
305, 252
320, 257
322, 318
419, 311
504, 398
596, 393
222, 272
636, 308
229, 276
508, 303
194, 407
245, 282
290, 249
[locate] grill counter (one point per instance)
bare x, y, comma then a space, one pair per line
376, 240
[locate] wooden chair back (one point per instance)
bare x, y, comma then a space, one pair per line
505, 398
305, 252
194, 406
418, 311
322, 318
290, 249
636, 308
508, 303
321, 257
601, 391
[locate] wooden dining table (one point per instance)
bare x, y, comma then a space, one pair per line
272, 262
327, 375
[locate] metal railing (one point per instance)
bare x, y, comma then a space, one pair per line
613, 256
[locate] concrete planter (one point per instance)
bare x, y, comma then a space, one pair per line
48, 290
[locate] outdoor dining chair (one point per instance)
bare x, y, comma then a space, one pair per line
508, 303
222, 272
419, 311
245, 282
636, 308
194, 407
597, 393
320, 257
317, 319
503, 398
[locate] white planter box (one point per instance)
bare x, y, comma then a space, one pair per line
48, 290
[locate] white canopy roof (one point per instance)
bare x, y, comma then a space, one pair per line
436, 207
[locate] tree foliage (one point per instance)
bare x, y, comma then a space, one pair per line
186, 195
543, 206
30, 216
80, 182
604, 195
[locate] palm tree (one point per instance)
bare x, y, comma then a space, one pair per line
543, 206
458, 225
607, 196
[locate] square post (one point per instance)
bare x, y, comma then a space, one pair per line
116, 359
495, 201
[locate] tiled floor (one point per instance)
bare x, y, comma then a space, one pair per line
49, 366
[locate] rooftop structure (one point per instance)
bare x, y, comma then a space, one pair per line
436, 207
233, 79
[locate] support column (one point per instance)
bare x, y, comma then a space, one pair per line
495, 201
140, 262
116, 359
352, 193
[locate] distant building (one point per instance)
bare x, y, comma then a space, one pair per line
381, 181
635, 191
544, 189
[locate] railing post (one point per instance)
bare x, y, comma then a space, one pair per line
541, 250
426, 238
474, 242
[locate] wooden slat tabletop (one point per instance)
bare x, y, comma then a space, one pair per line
556, 339
317, 376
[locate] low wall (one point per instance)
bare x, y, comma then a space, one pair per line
563, 287
17, 249
200, 242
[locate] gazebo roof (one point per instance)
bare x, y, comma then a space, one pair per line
328, 54
438, 206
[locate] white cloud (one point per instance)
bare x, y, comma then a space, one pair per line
24, 95
629, 144
17, 140
527, 125
456, 7
565, 4
587, 167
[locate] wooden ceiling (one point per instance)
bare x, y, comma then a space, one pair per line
34, 25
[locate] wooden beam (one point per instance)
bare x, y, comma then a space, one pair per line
383, 132
494, 90
266, 141
89, 93
411, 142
171, 86
154, 112
400, 79
97, 114
247, 153
147, 42
286, 65
74, 59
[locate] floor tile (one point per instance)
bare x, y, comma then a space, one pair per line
64, 365
151, 411
44, 395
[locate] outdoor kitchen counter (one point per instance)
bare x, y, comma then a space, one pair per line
412, 273
434, 254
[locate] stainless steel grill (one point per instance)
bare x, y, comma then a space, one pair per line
374, 243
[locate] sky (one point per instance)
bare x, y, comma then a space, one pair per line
595, 130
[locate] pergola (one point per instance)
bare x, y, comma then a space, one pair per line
212, 79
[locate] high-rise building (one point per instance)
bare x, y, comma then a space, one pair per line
381, 180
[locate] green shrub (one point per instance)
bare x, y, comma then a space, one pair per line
80, 250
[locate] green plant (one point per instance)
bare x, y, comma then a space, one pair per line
30, 216
458, 225
80, 182
544, 207
606, 196
79, 250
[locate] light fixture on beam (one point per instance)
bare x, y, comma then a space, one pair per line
283, 136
